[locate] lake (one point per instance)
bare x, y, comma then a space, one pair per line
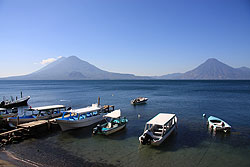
192, 144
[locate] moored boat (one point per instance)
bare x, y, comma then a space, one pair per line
15, 103
80, 117
114, 123
218, 124
5, 114
139, 100
38, 113
158, 129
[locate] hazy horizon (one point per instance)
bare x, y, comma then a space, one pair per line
145, 38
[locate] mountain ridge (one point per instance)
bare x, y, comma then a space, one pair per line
73, 68
212, 69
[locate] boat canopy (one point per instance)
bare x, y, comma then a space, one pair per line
114, 114
161, 119
47, 107
92, 108
3, 109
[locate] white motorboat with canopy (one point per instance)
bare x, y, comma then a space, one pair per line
158, 129
80, 117
38, 113
114, 123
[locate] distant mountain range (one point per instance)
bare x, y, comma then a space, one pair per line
212, 69
73, 68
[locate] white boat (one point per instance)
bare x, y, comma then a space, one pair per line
217, 124
38, 113
158, 129
81, 117
139, 100
114, 123
5, 114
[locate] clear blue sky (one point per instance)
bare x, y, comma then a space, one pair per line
141, 37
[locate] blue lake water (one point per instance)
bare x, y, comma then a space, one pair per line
192, 145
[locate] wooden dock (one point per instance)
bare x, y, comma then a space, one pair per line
25, 129
108, 108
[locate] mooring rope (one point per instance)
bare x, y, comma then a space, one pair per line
205, 153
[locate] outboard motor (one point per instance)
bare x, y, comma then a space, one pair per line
69, 108
2, 103
97, 129
146, 138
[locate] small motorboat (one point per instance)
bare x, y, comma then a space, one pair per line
81, 117
158, 129
38, 113
5, 114
217, 124
139, 100
114, 123
15, 103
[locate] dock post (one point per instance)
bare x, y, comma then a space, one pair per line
17, 121
48, 125
98, 101
21, 94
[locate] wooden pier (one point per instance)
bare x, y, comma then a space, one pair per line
25, 130
108, 108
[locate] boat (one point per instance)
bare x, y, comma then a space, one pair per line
81, 117
114, 123
5, 114
15, 103
217, 124
139, 100
38, 113
158, 129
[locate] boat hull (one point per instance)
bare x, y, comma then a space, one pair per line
5, 116
161, 140
17, 103
158, 141
67, 124
13, 120
112, 130
215, 124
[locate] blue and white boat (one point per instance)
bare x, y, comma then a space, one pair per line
217, 124
4, 113
38, 113
114, 123
80, 117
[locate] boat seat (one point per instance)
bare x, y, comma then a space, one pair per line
109, 125
157, 134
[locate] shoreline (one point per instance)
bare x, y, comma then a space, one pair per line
33, 153
9, 159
